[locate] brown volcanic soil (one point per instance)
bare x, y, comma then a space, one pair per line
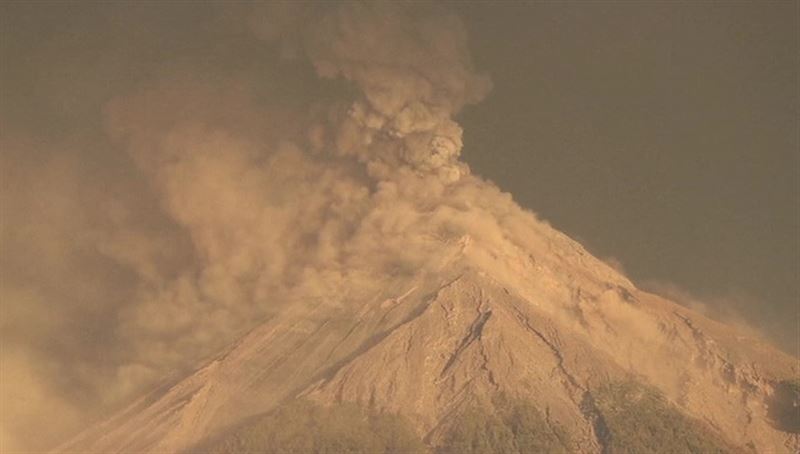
547, 325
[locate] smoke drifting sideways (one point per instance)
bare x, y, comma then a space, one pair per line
158, 213
174, 175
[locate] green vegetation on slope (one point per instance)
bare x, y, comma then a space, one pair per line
636, 419
784, 406
303, 427
517, 427
640, 421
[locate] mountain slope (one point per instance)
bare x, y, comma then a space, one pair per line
549, 324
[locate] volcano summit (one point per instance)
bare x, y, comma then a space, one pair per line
543, 322
298, 247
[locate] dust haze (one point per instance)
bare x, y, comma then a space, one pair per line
166, 189
207, 197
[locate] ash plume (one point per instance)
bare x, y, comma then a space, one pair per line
206, 206
173, 186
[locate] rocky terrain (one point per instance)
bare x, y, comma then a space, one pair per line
549, 325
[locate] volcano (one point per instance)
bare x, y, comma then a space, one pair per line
549, 324
373, 294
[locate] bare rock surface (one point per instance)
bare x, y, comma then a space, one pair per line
548, 324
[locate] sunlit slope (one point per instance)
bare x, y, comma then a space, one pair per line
550, 326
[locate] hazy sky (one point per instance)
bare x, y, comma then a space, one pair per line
663, 136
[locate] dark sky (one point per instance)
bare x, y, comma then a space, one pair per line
664, 135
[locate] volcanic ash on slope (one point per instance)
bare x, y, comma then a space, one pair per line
486, 323
386, 273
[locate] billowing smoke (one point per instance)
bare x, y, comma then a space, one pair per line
219, 195
175, 175
412, 71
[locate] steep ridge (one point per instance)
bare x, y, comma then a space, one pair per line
547, 325
269, 364
441, 361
